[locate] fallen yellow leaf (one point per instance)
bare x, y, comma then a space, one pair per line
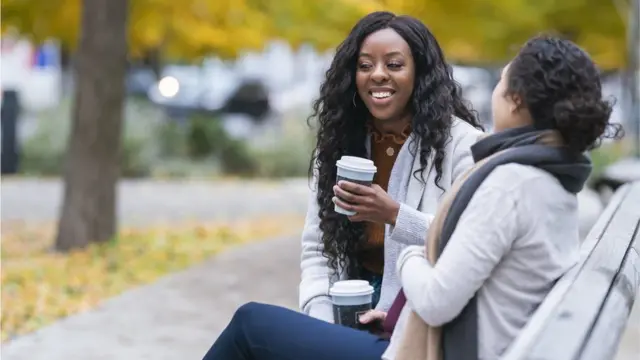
40, 286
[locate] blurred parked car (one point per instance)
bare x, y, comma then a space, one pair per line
250, 97
184, 89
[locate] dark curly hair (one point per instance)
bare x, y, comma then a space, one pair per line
342, 127
560, 87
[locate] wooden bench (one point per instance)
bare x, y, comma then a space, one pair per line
586, 313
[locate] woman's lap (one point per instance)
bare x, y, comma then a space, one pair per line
267, 332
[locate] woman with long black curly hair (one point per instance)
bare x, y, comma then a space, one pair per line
390, 96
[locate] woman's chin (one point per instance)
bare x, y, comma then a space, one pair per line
384, 116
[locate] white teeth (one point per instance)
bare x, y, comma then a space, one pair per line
381, 95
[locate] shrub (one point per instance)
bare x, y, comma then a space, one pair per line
288, 158
237, 159
170, 139
198, 147
288, 152
205, 137
43, 153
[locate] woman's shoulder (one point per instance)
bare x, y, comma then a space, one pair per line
464, 134
535, 193
461, 128
524, 180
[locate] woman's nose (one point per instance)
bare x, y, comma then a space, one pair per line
379, 74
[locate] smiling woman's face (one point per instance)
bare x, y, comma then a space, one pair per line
385, 75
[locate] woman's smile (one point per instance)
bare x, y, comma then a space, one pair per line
381, 97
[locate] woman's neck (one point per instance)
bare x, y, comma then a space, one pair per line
395, 127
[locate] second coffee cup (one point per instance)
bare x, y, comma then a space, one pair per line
350, 298
357, 170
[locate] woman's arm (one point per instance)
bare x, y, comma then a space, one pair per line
314, 286
412, 225
485, 232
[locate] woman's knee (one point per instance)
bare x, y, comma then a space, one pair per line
247, 313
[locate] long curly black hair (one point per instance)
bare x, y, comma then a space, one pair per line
342, 127
560, 86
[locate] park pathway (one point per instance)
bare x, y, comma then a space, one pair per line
147, 202
176, 318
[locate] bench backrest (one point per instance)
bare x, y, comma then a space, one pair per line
586, 313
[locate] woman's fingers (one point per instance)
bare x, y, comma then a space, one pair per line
347, 196
372, 315
351, 202
357, 209
355, 188
345, 205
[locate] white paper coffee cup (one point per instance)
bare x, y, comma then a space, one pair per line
357, 170
350, 298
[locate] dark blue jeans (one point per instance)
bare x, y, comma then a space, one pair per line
267, 332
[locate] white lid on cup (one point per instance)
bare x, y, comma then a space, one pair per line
351, 288
355, 163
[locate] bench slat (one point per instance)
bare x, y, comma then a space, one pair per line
613, 318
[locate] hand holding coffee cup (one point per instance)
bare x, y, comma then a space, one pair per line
355, 170
357, 198
373, 321
373, 316
351, 299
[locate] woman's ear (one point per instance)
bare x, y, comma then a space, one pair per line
515, 103
519, 110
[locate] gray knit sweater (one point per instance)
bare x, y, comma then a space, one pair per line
418, 201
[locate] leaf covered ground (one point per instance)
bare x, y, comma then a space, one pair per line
40, 285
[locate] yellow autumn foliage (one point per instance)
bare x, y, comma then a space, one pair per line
191, 28
40, 286
471, 31
490, 31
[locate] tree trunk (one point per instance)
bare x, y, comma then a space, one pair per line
93, 155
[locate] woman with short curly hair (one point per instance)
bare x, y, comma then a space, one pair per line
509, 229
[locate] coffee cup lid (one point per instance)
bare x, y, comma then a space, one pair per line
351, 288
356, 164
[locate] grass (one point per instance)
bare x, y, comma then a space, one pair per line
609, 153
40, 286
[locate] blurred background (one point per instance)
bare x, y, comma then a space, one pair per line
248, 70
215, 101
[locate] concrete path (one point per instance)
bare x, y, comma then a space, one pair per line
176, 318
145, 202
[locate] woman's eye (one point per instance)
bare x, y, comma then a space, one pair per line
364, 66
394, 66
